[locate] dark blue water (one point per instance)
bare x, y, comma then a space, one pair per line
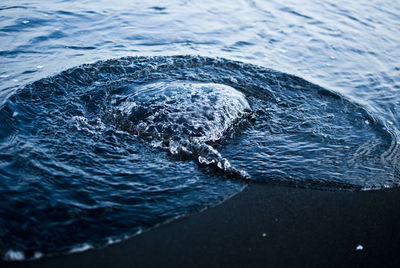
104, 133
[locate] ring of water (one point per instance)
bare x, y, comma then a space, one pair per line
104, 150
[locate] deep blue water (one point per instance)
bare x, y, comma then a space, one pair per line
106, 129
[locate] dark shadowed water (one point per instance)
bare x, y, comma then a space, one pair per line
106, 129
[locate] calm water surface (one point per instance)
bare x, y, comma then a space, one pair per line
106, 129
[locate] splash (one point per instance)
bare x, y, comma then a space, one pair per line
160, 137
182, 117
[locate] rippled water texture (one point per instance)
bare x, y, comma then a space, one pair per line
92, 154
101, 150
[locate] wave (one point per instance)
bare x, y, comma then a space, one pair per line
110, 148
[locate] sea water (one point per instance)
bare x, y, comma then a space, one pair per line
117, 118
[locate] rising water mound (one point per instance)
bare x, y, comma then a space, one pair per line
183, 118
102, 151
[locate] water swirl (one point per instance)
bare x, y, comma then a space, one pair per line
102, 151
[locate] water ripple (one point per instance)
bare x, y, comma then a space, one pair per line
102, 151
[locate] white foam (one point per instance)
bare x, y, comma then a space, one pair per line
17, 255
80, 248
83, 124
14, 255
37, 255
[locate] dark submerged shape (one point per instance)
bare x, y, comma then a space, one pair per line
104, 150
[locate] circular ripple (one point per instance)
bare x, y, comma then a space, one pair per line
104, 150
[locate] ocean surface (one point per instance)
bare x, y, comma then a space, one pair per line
116, 117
